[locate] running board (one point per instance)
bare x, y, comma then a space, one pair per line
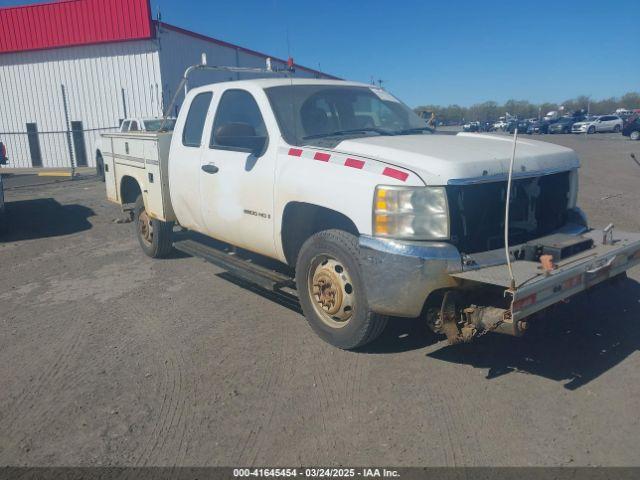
242, 268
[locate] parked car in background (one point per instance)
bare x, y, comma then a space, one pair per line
632, 129
133, 125
500, 125
605, 123
3, 161
522, 125
147, 125
539, 126
471, 127
563, 125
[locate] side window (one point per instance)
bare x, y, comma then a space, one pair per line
238, 115
134, 126
125, 126
194, 125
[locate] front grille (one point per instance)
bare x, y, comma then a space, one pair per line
538, 207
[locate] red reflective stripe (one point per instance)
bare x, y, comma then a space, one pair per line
353, 163
525, 302
323, 157
295, 152
572, 282
397, 174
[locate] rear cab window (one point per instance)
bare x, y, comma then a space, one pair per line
194, 125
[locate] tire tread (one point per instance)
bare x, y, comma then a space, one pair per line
374, 323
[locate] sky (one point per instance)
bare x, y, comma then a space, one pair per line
438, 52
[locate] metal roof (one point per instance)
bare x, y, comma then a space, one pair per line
68, 23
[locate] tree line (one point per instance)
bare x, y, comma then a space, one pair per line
490, 111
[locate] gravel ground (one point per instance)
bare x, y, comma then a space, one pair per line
110, 358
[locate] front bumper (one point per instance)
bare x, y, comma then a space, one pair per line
399, 276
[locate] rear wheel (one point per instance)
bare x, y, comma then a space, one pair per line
100, 167
332, 292
153, 235
635, 135
616, 129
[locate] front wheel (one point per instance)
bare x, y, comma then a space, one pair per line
635, 135
153, 235
591, 130
332, 292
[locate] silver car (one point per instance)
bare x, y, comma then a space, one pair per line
604, 123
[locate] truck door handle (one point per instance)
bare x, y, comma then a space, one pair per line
210, 168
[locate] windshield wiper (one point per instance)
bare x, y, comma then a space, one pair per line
380, 131
407, 131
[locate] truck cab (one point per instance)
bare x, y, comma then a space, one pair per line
377, 215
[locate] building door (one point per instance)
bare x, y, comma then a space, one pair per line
77, 131
34, 145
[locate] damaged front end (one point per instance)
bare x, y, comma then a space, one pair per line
548, 271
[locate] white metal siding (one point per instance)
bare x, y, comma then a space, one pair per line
93, 76
178, 51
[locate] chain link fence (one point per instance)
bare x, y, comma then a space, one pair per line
61, 149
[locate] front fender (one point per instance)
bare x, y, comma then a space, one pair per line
345, 184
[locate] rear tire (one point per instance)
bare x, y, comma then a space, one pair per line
616, 129
100, 167
154, 236
332, 292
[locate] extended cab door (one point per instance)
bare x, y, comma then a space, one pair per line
187, 144
237, 171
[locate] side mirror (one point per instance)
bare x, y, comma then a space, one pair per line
239, 136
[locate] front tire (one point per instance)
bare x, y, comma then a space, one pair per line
332, 292
635, 135
154, 236
591, 130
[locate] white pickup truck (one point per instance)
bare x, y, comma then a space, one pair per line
370, 213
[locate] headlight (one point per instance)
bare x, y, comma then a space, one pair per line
418, 213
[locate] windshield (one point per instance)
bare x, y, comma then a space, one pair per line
308, 112
154, 125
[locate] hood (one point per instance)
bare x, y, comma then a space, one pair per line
440, 159
580, 124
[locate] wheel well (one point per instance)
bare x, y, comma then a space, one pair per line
129, 190
301, 220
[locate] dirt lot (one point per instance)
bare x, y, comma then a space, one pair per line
110, 358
